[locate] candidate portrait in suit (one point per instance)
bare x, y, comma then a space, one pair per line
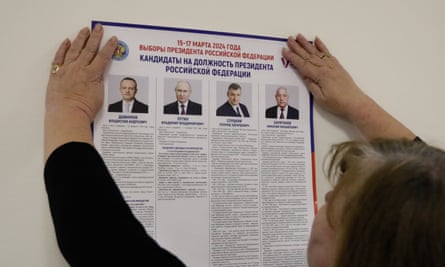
129, 104
183, 105
232, 107
282, 110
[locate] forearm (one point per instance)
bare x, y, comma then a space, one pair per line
63, 126
374, 122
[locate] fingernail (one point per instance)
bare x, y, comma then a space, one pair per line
98, 27
114, 39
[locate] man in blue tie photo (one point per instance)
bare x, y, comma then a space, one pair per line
232, 107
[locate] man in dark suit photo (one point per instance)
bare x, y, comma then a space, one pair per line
183, 105
282, 110
232, 107
128, 88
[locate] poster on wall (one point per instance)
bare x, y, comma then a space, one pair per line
209, 137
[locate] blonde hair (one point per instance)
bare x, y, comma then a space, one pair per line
388, 204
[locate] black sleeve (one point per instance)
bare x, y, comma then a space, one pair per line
93, 223
418, 140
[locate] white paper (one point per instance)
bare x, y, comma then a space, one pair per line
214, 190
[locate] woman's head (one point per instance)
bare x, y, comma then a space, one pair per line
387, 206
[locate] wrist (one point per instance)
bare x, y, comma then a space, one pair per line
69, 106
65, 124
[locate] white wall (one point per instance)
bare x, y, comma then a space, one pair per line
394, 50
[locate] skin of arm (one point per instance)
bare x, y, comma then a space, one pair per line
335, 90
75, 92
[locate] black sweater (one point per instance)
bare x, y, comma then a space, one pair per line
94, 225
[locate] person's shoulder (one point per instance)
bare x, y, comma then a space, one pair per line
222, 105
222, 110
171, 108
139, 107
271, 108
115, 107
244, 108
271, 112
292, 108
140, 103
194, 103
174, 103
293, 113
116, 103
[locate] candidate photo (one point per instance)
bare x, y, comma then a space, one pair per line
282, 110
183, 105
128, 89
233, 107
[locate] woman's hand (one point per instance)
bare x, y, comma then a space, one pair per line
76, 80
331, 85
335, 90
75, 90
